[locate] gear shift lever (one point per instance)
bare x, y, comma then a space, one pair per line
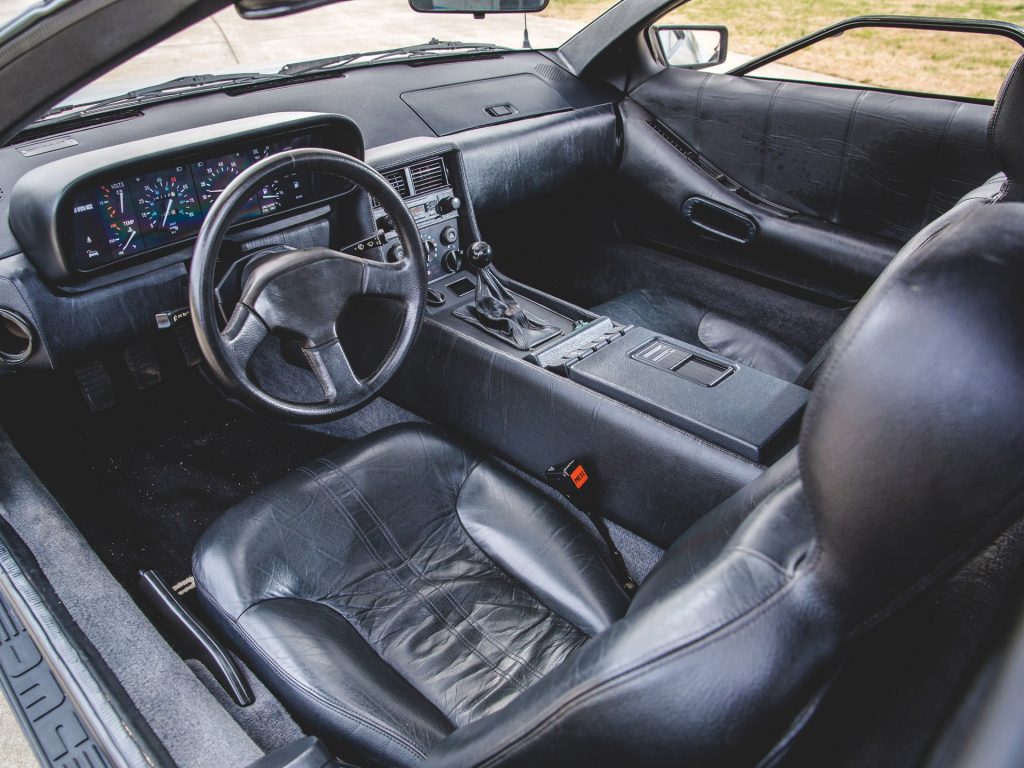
495, 310
480, 255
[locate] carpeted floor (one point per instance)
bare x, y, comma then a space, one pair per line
145, 478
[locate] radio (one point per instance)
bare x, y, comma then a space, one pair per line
437, 218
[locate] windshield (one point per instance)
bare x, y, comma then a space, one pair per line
226, 43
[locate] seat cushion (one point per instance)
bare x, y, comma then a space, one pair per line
401, 587
682, 318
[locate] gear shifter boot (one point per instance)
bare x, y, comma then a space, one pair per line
497, 312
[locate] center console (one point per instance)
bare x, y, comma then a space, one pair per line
667, 430
740, 409
429, 192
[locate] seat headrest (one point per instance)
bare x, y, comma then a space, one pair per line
913, 442
1006, 126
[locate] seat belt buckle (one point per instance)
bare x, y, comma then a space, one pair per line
571, 479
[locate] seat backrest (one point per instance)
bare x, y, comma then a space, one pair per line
909, 461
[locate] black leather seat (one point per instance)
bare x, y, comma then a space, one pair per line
683, 318
402, 587
411, 601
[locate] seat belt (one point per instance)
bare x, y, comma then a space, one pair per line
571, 480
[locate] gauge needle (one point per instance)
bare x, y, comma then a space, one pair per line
129, 241
167, 212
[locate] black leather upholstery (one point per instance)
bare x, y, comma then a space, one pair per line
402, 587
675, 314
408, 598
877, 163
692, 322
908, 463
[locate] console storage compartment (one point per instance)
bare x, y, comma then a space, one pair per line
733, 406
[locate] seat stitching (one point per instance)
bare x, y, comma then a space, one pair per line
933, 182
406, 560
423, 576
657, 657
845, 156
769, 118
586, 538
389, 570
298, 683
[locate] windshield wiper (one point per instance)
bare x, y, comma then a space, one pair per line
180, 85
151, 93
434, 48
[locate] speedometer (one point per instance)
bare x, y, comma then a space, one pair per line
167, 205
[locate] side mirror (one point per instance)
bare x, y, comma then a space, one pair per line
478, 7
692, 47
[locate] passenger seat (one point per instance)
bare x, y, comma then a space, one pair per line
683, 318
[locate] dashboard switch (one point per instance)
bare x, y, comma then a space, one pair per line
449, 204
396, 253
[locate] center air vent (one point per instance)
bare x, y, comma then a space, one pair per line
428, 176
397, 180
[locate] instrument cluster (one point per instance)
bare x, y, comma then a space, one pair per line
120, 218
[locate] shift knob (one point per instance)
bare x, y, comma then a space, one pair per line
480, 255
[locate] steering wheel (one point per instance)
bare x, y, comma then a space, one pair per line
303, 293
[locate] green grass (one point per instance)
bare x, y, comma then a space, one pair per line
960, 64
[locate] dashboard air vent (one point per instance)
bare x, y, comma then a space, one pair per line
428, 176
397, 180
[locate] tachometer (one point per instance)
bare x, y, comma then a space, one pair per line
213, 176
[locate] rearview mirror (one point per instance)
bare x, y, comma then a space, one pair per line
692, 47
478, 7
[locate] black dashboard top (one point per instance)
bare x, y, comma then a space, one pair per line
371, 97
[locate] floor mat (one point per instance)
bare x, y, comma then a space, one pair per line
144, 479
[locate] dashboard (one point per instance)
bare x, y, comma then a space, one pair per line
70, 306
136, 211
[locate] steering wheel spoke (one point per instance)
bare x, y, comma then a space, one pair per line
387, 279
244, 332
333, 370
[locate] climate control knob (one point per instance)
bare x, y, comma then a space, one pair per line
452, 261
429, 250
449, 235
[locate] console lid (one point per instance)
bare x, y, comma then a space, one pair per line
735, 407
